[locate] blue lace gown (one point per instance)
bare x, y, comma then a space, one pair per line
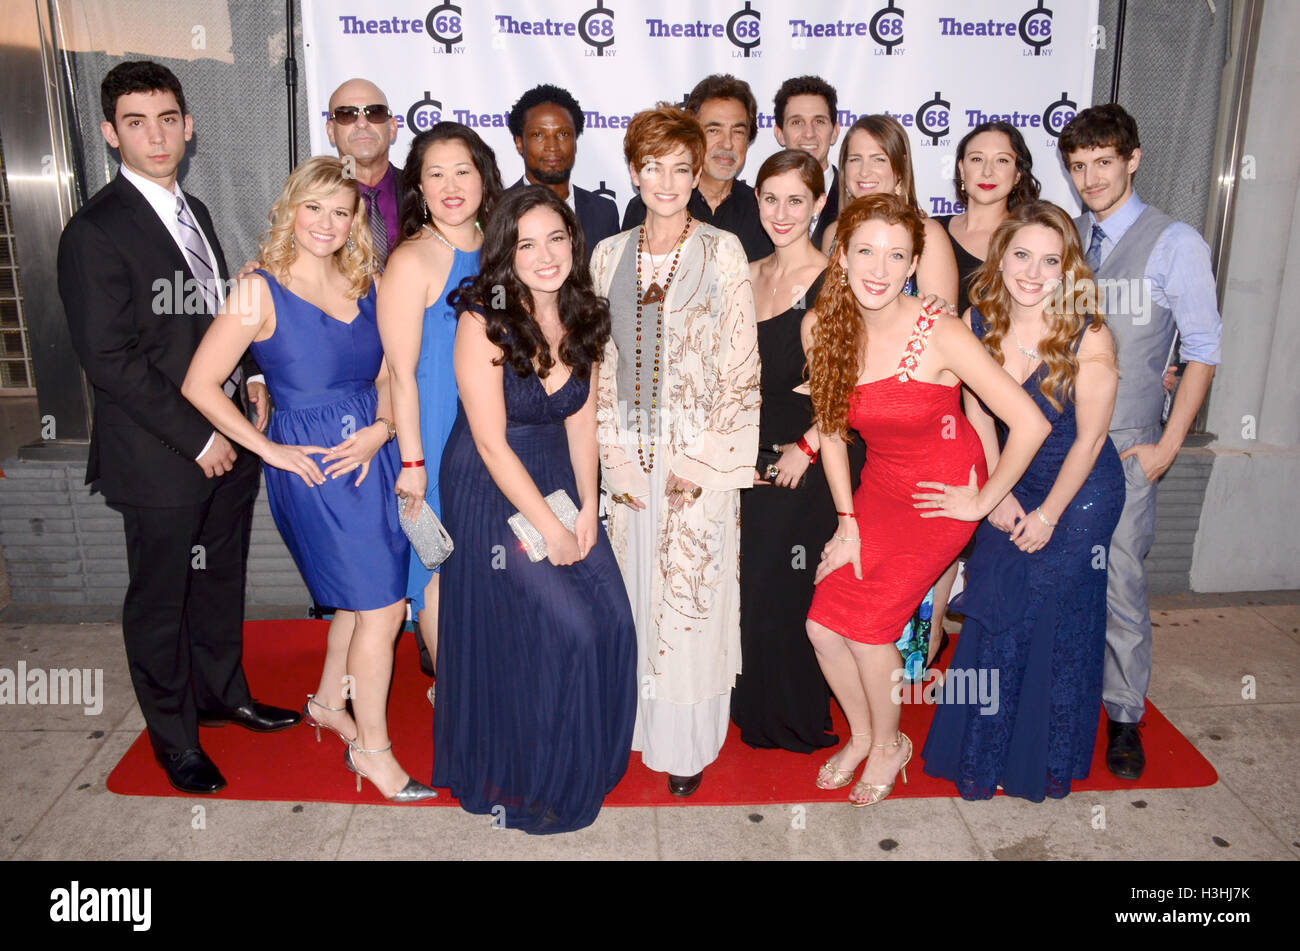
1037, 622
435, 378
536, 663
345, 539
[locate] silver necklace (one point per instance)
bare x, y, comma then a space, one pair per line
1031, 354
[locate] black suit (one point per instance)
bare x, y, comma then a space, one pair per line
597, 215
830, 211
183, 615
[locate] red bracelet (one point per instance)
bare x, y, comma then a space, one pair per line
417, 464
847, 515
808, 450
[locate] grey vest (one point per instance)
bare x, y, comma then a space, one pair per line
1143, 330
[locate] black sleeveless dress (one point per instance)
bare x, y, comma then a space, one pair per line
967, 265
781, 700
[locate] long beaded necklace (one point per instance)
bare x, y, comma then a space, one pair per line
653, 295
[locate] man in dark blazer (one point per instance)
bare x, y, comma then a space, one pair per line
806, 117
141, 275
546, 123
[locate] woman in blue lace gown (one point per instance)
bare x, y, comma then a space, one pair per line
1035, 596
536, 661
309, 317
448, 186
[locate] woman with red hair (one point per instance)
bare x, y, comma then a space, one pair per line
882, 366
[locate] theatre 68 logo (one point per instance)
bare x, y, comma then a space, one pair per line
887, 27
933, 116
744, 30
596, 28
443, 24
1035, 29
1058, 115
424, 114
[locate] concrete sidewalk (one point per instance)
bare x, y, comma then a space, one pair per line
1211, 651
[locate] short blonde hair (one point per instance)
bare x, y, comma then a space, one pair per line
314, 180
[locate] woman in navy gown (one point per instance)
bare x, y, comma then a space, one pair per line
536, 666
1035, 596
310, 319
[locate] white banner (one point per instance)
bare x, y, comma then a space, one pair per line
939, 66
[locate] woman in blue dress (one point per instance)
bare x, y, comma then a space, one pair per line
536, 660
448, 186
309, 316
1035, 596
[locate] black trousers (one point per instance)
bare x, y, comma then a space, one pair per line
183, 616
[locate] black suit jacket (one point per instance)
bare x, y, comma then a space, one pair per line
830, 211
118, 271
597, 215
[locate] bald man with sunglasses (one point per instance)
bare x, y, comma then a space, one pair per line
363, 128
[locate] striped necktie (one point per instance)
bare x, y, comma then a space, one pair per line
1094, 248
196, 254
378, 230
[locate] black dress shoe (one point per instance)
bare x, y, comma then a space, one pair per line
1124, 756
255, 716
426, 662
191, 771
684, 785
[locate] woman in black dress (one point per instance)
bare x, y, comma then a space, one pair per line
994, 174
780, 699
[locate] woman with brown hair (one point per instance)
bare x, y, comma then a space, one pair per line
882, 366
1035, 599
678, 402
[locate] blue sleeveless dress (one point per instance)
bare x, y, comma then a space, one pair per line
436, 379
536, 663
345, 539
1038, 622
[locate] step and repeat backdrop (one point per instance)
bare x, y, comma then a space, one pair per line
939, 66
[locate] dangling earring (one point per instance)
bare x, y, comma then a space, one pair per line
844, 279
425, 205
293, 242
351, 244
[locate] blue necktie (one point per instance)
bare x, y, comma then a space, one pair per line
201, 266
1094, 248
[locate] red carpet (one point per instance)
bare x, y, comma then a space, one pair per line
282, 660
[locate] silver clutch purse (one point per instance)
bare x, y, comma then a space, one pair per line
430, 540
534, 545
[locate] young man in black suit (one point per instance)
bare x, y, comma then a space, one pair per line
546, 123
141, 275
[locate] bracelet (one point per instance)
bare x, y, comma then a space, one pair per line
417, 464
392, 433
808, 450
1043, 518
846, 538
847, 515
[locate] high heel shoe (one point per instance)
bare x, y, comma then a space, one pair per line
412, 792
832, 777
312, 721
877, 794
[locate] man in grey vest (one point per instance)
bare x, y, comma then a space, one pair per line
1154, 280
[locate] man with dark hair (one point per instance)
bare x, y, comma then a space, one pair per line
1154, 282
728, 112
185, 494
363, 128
807, 117
546, 123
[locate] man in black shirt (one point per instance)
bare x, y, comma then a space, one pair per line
728, 112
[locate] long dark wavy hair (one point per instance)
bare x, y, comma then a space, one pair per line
1023, 191
506, 304
413, 213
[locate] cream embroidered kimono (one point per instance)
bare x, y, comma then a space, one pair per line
709, 380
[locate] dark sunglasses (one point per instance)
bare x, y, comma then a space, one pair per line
346, 115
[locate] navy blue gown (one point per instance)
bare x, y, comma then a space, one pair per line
1038, 622
536, 663
345, 539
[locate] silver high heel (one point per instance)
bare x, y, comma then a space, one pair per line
412, 792
312, 721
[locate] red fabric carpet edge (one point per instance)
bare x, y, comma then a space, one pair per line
282, 660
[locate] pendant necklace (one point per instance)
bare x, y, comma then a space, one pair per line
653, 295
1031, 354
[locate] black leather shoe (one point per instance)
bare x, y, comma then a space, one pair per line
426, 662
684, 785
191, 771
1124, 756
255, 716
